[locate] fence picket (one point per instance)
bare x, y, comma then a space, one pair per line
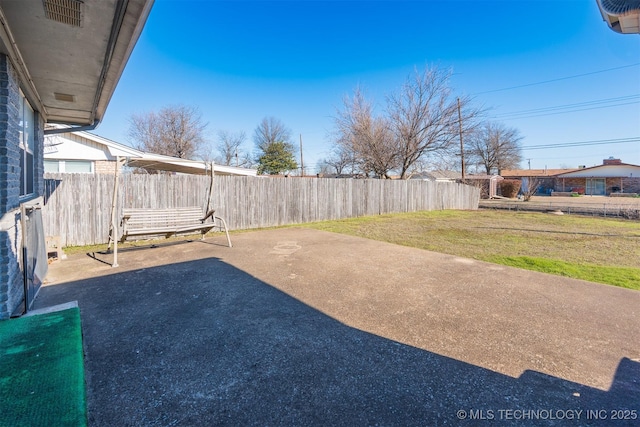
78, 206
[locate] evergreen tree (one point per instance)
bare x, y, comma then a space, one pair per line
276, 152
276, 158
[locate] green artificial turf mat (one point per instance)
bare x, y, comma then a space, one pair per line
42, 370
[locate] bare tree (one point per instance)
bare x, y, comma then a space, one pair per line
271, 130
366, 138
423, 121
496, 147
173, 131
530, 188
338, 162
437, 161
143, 131
230, 148
426, 117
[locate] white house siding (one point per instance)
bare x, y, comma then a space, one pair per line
72, 147
61, 149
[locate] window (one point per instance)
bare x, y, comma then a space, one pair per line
51, 166
26, 129
77, 166
596, 187
68, 166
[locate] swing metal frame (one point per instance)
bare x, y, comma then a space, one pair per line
161, 222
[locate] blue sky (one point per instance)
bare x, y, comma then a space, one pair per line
240, 61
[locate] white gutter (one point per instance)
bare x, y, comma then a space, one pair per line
53, 131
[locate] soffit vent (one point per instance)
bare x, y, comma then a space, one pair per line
64, 97
65, 11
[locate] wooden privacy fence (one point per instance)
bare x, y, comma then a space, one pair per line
78, 206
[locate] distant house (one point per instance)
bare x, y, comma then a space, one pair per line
545, 178
339, 175
612, 177
85, 152
488, 184
438, 176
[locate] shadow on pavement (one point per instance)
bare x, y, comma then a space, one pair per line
203, 343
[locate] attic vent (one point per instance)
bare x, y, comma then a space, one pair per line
64, 97
65, 11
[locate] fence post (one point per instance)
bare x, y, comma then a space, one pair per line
245, 202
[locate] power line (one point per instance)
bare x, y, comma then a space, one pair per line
570, 108
603, 154
603, 150
557, 79
582, 143
573, 111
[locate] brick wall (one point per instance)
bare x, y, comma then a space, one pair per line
631, 185
11, 283
38, 157
105, 166
10, 233
627, 184
569, 184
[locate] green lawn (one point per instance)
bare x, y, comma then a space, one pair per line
595, 249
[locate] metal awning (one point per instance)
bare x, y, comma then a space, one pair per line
194, 167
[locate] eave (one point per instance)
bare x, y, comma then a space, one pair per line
69, 72
622, 16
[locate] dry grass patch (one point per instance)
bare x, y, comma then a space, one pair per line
595, 249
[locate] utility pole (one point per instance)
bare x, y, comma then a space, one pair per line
461, 144
301, 159
529, 161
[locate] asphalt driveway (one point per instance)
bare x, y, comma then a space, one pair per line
303, 327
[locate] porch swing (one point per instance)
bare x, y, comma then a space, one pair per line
138, 222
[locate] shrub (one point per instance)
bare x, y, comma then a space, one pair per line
510, 187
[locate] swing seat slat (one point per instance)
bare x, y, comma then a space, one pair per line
169, 222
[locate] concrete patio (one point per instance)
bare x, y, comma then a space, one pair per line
303, 327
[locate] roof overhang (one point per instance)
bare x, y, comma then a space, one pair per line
622, 16
70, 54
534, 173
597, 171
